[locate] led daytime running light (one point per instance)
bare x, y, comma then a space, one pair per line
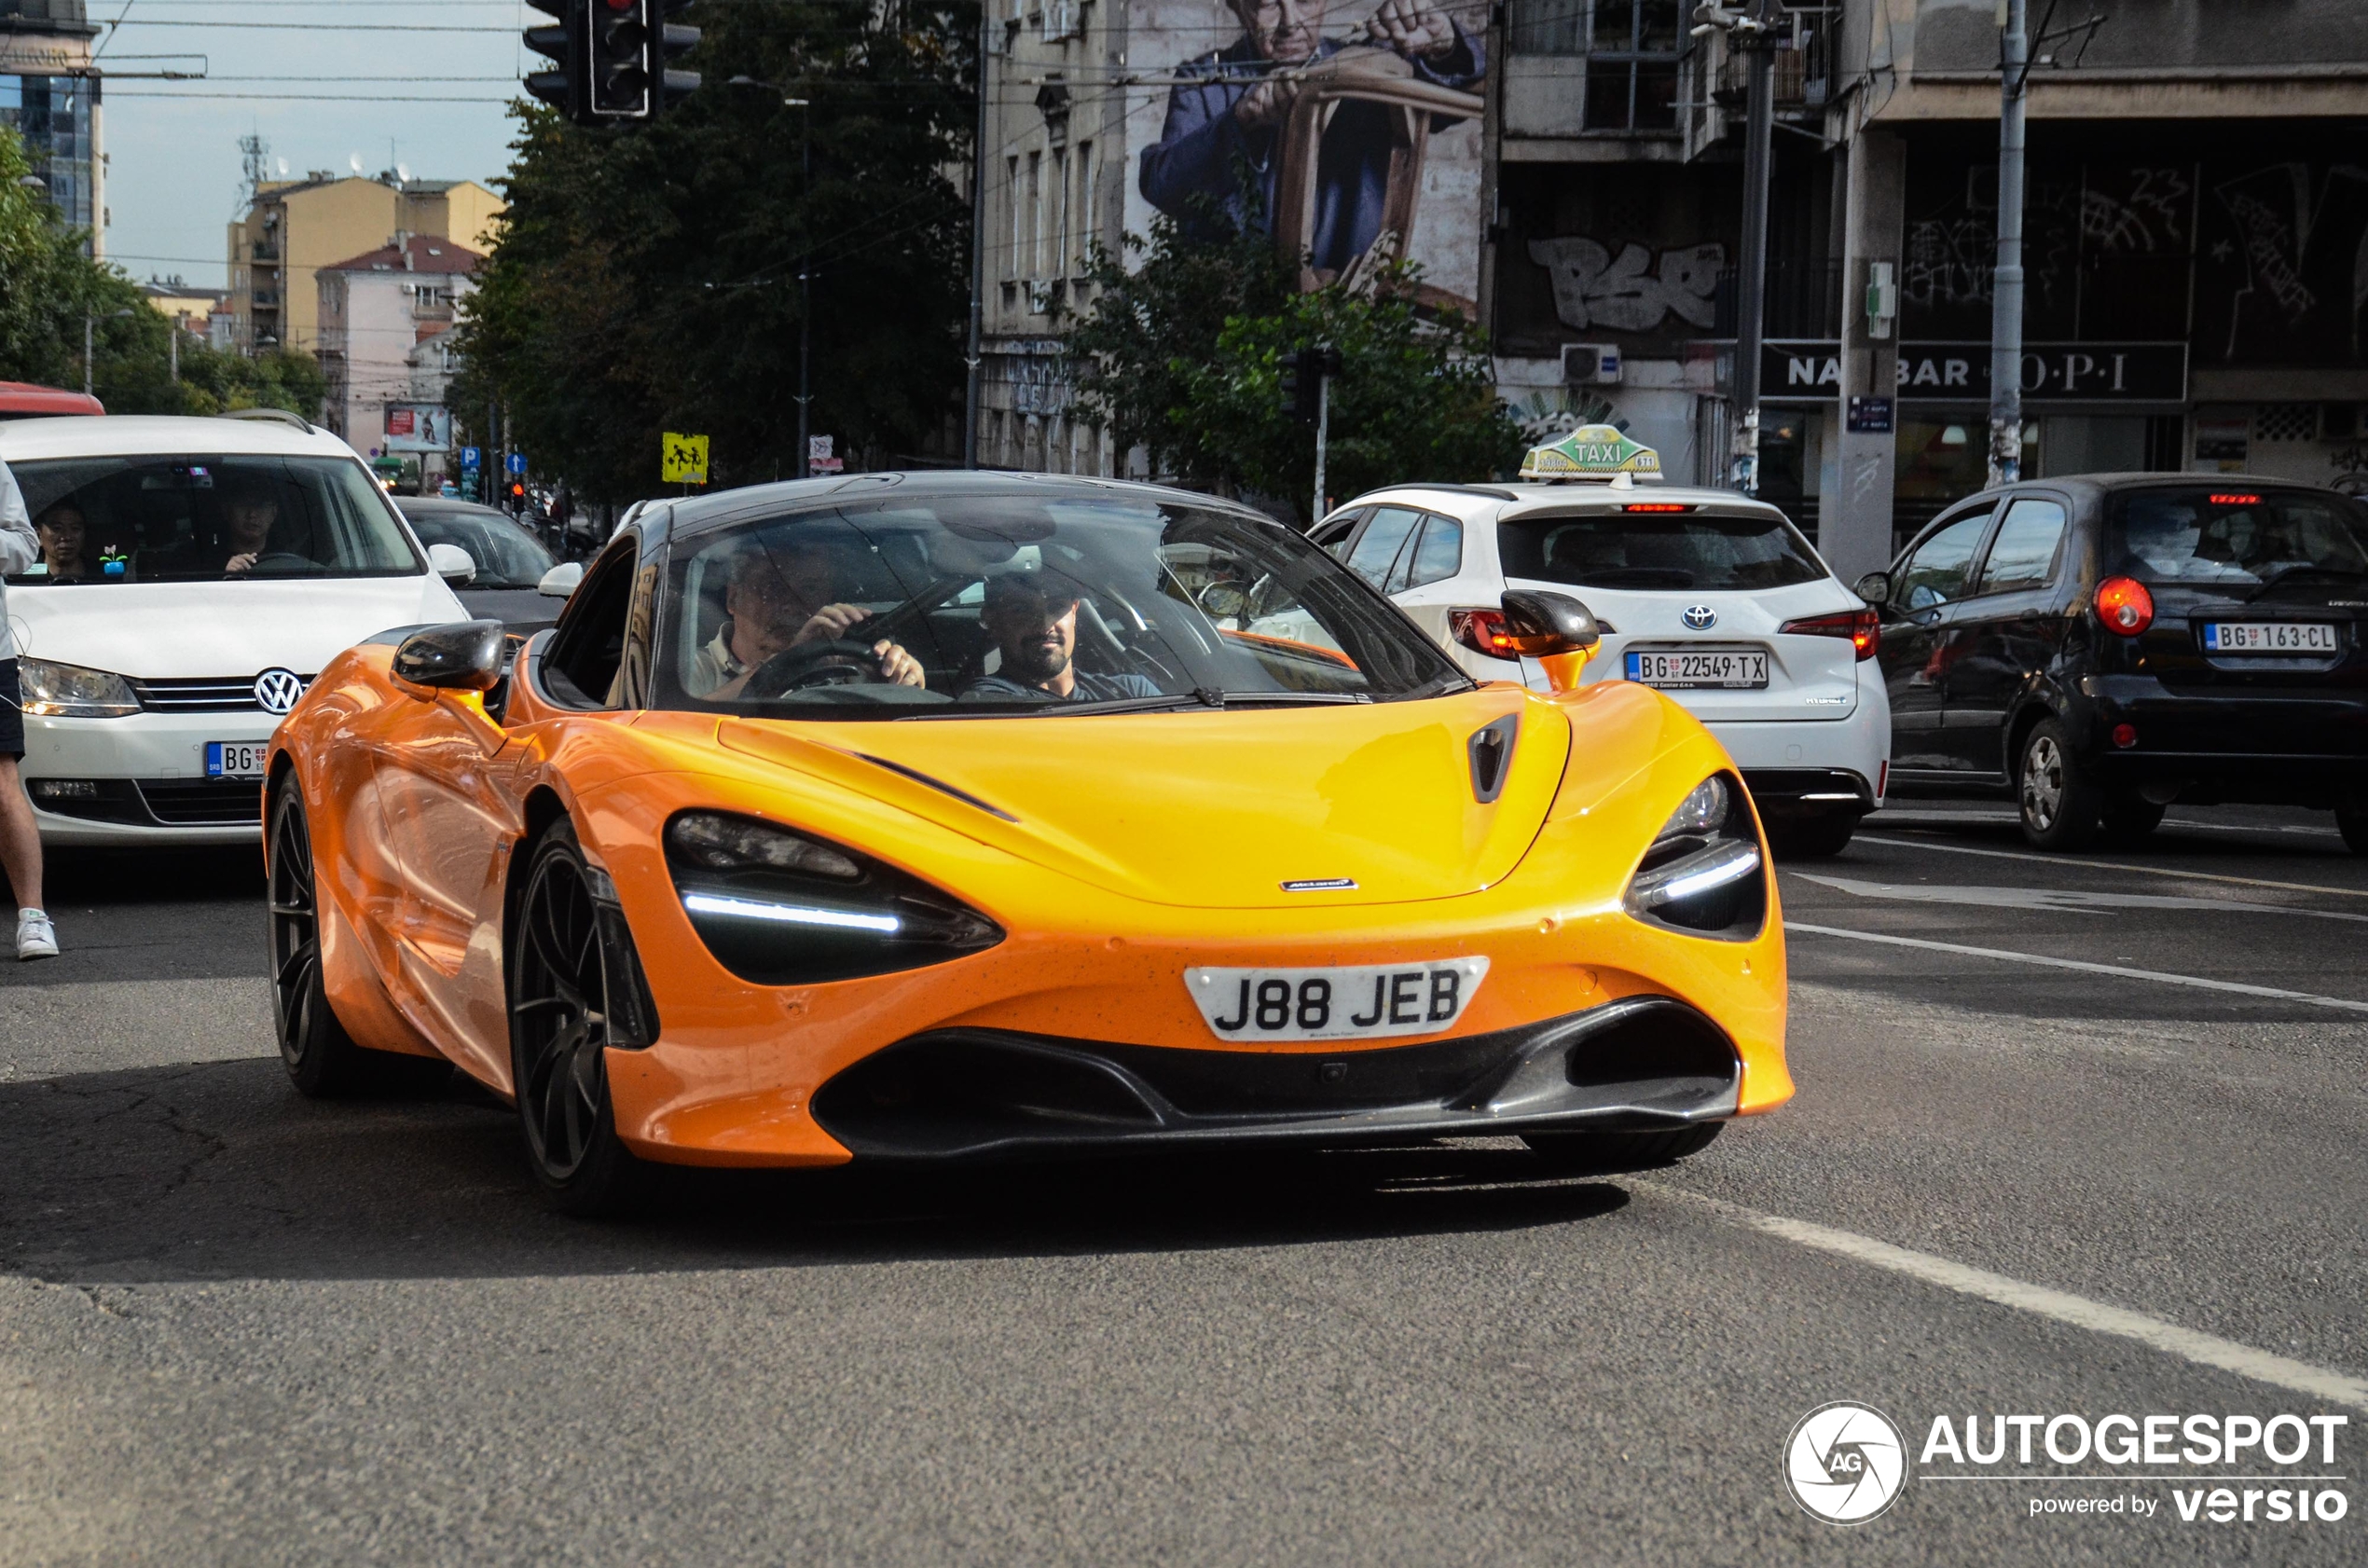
790, 914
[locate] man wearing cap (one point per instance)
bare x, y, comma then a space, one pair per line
1032, 618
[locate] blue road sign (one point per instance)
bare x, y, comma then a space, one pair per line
470, 457
518, 462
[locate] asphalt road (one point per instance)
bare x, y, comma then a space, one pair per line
240, 1328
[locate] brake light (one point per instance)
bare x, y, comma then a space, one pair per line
1657, 507
2125, 606
1863, 627
2236, 501
1483, 631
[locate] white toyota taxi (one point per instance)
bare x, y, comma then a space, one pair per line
1708, 595
202, 572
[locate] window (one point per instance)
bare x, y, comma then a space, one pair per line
588, 648
1631, 63
1688, 550
2235, 534
1058, 260
1333, 537
1377, 551
1011, 253
2023, 555
1436, 555
1088, 209
1936, 572
1035, 267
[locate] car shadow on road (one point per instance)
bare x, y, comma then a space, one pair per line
219, 1170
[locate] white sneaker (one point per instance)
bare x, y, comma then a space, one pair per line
36, 937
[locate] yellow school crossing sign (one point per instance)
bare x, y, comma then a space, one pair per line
683, 458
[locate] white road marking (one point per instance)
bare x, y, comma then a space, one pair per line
2083, 862
2070, 900
1890, 816
2159, 977
2204, 1350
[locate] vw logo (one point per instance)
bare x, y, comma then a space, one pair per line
1701, 617
276, 691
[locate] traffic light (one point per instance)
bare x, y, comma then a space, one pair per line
612, 58
562, 89
1297, 393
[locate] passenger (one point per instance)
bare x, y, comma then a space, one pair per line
775, 600
1032, 621
62, 529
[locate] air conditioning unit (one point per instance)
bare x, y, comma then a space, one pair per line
1590, 364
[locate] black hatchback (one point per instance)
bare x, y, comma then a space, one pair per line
2102, 645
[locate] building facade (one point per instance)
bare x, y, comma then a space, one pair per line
383, 320
49, 95
294, 229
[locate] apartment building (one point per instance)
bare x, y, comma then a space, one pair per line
294, 229
50, 95
382, 318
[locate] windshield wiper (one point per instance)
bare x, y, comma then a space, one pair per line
1287, 699
1052, 708
1439, 688
2289, 573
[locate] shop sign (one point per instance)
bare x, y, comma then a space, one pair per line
1810, 371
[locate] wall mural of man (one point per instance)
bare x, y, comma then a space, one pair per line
1225, 119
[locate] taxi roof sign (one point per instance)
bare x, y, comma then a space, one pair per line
1591, 452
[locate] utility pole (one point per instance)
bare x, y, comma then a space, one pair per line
2007, 286
175, 351
805, 290
978, 261
1749, 35
1323, 430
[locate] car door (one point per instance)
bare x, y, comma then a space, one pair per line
1422, 581
1917, 620
2006, 632
449, 789
1376, 552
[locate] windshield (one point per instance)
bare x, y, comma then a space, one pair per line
976, 605
2234, 537
1656, 550
186, 519
506, 556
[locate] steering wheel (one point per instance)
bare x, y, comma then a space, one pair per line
280, 560
837, 661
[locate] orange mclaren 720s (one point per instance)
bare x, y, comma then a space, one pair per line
953, 816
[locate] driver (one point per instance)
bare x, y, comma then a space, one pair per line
1032, 621
774, 599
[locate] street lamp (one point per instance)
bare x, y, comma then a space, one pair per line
88, 320
804, 272
1749, 30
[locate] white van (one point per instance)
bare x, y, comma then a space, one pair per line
222, 562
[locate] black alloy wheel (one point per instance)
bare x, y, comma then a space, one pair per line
324, 1061
559, 1034
2061, 806
1607, 1153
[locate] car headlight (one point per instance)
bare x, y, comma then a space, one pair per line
779, 908
56, 691
1703, 871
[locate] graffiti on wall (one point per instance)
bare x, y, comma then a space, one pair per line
2302, 245
1634, 290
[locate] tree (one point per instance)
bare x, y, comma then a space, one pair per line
48, 288
1184, 356
647, 279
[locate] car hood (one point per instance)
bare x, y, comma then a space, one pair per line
163, 632
1215, 810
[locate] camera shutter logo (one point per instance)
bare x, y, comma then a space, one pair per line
276, 691
1701, 617
1845, 1463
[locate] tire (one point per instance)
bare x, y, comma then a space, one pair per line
559, 1067
2352, 819
1811, 838
324, 1061
2130, 817
1605, 1153
2061, 806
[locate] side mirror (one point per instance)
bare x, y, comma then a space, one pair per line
1555, 629
1875, 587
560, 580
465, 655
452, 563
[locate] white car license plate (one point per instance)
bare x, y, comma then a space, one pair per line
1347, 1003
236, 759
1730, 668
2268, 636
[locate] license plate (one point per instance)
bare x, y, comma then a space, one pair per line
2268, 636
236, 759
1348, 1003
1735, 669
